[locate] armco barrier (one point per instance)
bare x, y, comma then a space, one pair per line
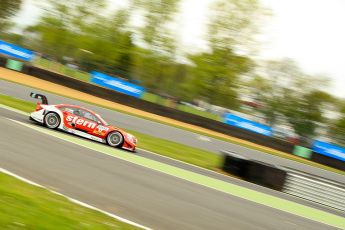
166, 112
316, 189
300, 184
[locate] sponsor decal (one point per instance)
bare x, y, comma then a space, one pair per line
80, 121
329, 150
117, 84
15, 51
240, 122
101, 130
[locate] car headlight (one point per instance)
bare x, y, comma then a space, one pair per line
131, 138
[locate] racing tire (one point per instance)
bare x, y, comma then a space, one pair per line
51, 120
115, 139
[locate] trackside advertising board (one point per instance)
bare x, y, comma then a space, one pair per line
117, 84
240, 122
329, 150
15, 51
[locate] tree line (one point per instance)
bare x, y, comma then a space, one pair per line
149, 53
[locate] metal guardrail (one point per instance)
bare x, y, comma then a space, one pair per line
297, 183
316, 189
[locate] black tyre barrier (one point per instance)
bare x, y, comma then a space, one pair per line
253, 171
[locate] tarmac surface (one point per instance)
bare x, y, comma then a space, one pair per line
139, 194
167, 132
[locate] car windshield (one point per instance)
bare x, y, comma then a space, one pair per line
100, 118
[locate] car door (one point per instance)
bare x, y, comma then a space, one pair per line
87, 122
101, 129
70, 115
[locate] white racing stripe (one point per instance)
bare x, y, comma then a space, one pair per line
2, 170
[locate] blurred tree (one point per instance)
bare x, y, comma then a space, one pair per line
337, 129
156, 58
147, 51
58, 31
262, 91
234, 23
305, 113
14, 38
8, 8
155, 32
285, 90
77, 30
215, 77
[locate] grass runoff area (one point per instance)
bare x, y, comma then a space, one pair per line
167, 148
25, 206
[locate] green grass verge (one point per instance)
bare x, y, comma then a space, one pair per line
192, 110
174, 150
154, 98
167, 148
25, 106
62, 69
24, 206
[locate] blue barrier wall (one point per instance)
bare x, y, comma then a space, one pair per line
240, 122
329, 150
117, 84
15, 51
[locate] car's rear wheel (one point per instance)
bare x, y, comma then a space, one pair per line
52, 120
115, 139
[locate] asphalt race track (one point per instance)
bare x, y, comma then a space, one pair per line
7, 114
137, 193
165, 131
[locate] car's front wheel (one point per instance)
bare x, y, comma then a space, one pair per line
52, 120
115, 139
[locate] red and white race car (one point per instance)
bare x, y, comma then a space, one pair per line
82, 122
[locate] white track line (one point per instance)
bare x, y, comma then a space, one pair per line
2, 170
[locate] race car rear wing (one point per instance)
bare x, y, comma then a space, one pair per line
43, 98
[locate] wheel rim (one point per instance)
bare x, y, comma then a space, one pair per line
52, 121
115, 139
